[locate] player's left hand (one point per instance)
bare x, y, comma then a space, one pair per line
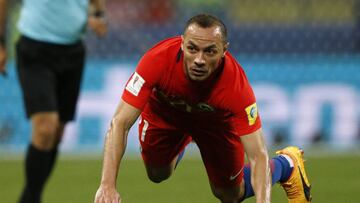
98, 25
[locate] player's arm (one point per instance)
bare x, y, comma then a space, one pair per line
115, 144
3, 12
97, 20
258, 157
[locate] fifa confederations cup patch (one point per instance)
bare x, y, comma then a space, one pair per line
252, 113
135, 84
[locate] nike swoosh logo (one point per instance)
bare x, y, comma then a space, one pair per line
306, 187
236, 175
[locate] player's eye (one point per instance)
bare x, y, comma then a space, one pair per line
191, 48
211, 51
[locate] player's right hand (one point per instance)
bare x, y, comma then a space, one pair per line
2, 60
107, 195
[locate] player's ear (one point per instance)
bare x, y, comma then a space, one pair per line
226, 46
182, 42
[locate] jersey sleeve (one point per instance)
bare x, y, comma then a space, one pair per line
246, 118
146, 76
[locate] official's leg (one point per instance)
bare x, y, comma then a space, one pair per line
41, 154
58, 73
48, 126
69, 76
49, 83
38, 82
160, 149
46, 138
45, 126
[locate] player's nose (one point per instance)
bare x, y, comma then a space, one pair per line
199, 60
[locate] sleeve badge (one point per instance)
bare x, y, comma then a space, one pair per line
135, 84
252, 113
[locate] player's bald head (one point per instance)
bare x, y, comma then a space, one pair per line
207, 21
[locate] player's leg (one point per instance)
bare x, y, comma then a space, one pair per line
158, 173
287, 169
230, 180
178, 158
297, 185
223, 157
161, 149
281, 170
233, 194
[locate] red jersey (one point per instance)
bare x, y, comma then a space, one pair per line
224, 103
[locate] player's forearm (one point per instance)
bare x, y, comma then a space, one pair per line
115, 145
261, 178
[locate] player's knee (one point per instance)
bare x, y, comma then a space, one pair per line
158, 175
225, 198
227, 195
157, 179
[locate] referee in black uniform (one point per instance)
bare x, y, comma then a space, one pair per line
50, 61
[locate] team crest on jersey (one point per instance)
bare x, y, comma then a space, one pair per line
183, 105
135, 84
252, 113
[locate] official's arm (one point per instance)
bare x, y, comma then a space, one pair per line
97, 20
98, 5
3, 12
257, 154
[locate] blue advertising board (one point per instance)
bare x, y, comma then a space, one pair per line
302, 99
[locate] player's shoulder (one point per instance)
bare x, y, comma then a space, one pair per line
160, 57
238, 91
233, 72
167, 46
233, 80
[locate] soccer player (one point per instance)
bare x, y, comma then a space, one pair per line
50, 61
191, 88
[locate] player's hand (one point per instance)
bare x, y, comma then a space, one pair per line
2, 60
107, 195
98, 25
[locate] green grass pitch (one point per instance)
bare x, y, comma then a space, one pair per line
334, 179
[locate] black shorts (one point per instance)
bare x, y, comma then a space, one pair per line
50, 76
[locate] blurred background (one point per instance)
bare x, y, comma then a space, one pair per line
301, 57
